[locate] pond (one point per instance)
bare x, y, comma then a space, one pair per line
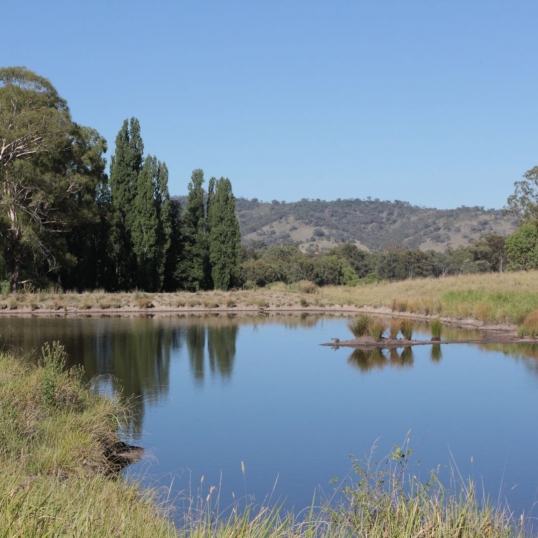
257, 407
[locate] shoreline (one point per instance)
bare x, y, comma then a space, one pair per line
497, 332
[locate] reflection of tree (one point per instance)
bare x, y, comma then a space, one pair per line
368, 359
221, 347
135, 352
196, 349
528, 353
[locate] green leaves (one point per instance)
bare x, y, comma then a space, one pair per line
224, 236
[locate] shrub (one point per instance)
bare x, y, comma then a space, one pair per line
359, 326
407, 329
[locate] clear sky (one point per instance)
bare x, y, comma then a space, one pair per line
429, 101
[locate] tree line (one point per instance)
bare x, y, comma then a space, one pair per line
346, 264
65, 222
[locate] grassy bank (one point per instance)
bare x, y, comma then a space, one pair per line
53, 435
490, 298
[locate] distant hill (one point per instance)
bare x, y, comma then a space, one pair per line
317, 225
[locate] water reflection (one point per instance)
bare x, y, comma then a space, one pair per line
221, 342
436, 354
369, 359
131, 356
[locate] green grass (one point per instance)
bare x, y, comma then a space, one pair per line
436, 328
53, 431
495, 306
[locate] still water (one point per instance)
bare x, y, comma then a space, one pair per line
214, 395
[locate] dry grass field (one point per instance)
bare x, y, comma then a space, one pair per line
500, 298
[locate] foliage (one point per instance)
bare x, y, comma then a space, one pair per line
523, 204
125, 168
195, 268
48, 164
522, 248
224, 235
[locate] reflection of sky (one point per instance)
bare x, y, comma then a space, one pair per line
292, 409
296, 410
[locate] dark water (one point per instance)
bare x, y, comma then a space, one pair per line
213, 394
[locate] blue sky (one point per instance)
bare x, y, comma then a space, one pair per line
431, 101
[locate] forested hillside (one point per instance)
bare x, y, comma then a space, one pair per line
317, 225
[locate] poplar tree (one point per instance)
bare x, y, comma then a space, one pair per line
165, 230
125, 168
195, 269
224, 237
173, 273
144, 225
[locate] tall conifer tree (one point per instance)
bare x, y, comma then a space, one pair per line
195, 259
125, 167
144, 227
224, 237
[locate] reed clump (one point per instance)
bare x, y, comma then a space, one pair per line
359, 325
376, 329
436, 328
395, 324
407, 328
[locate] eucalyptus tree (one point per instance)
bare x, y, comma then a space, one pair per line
49, 166
224, 237
523, 204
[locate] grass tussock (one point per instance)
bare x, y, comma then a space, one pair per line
436, 328
529, 327
359, 325
377, 328
407, 328
395, 325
